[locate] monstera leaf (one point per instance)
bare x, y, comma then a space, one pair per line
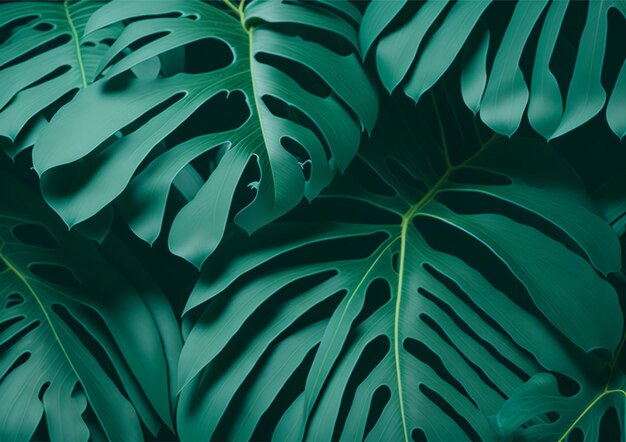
419, 292
44, 59
84, 348
417, 51
84, 165
584, 410
596, 392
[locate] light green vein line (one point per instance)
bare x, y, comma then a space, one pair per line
79, 55
406, 219
26, 284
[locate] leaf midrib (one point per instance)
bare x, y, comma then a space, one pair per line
603, 393
239, 11
406, 219
39, 302
79, 55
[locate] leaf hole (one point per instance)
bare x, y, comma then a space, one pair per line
463, 296
14, 299
92, 336
287, 395
43, 27
553, 416
150, 114
205, 163
172, 14
21, 360
50, 76
47, 46
453, 241
34, 235
418, 435
223, 112
42, 390
139, 43
371, 356
4, 346
8, 29
395, 262
446, 338
440, 402
426, 355
474, 202
577, 435
378, 294
611, 427
295, 149
284, 110
206, 55
305, 77
380, 399
6, 324
567, 386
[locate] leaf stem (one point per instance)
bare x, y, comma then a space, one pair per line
604, 393
587, 409
406, 219
30, 289
239, 11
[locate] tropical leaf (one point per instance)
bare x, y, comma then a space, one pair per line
44, 59
417, 51
419, 292
81, 140
584, 408
586, 403
84, 347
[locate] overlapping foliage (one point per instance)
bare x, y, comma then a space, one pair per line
354, 265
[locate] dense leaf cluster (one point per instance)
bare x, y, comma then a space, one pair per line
312, 220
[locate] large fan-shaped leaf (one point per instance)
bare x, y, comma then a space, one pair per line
522, 417
78, 338
418, 51
588, 404
77, 142
412, 311
44, 57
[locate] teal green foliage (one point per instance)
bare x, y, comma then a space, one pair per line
312, 220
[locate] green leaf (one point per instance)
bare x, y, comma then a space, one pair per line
75, 144
400, 63
474, 75
77, 333
506, 95
441, 285
615, 112
44, 59
597, 390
